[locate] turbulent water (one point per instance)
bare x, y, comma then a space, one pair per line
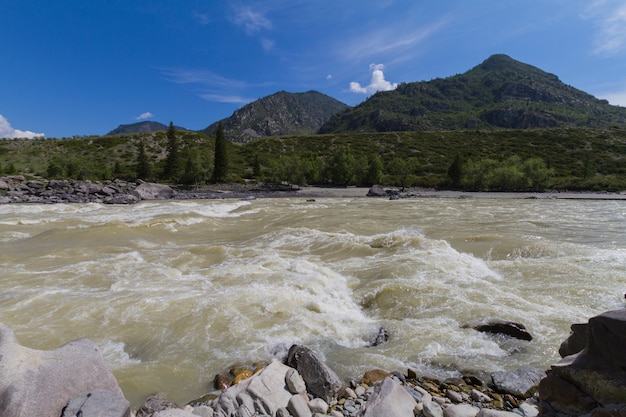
174, 292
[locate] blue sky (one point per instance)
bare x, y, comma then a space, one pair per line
82, 67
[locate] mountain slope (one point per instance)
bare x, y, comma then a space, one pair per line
281, 113
138, 128
499, 93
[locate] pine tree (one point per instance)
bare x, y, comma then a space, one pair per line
144, 170
172, 161
220, 162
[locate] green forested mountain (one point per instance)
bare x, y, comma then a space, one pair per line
500, 93
281, 113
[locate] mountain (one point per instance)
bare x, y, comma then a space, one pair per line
500, 93
281, 113
141, 127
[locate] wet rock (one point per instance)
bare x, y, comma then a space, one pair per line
96, 404
317, 405
522, 382
486, 412
389, 399
221, 382
507, 328
381, 337
576, 340
320, 380
432, 409
377, 191
41, 383
375, 375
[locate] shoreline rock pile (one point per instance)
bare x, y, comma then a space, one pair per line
18, 189
73, 381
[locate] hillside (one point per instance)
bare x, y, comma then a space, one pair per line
281, 113
500, 93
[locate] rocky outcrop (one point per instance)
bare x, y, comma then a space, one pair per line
507, 328
41, 383
594, 378
17, 189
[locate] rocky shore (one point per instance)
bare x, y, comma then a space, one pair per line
18, 189
74, 381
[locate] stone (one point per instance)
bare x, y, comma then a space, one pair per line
98, 404
521, 382
42, 382
460, 410
294, 381
389, 399
507, 328
373, 376
174, 412
479, 396
202, 411
245, 374
486, 412
432, 409
564, 397
454, 396
154, 404
377, 191
576, 340
320, 380
528, 410
317, 405
152, 191
381, 337
298, 406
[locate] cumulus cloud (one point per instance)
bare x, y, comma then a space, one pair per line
609, 18
7, 132
144, 116
377, 83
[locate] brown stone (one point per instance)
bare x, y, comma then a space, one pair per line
375, 375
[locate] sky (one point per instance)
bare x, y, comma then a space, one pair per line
83, 67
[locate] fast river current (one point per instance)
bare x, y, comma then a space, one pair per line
174, 292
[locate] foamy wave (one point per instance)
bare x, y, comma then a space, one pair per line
116, 356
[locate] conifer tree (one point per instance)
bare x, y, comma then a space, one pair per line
220, 162
144, 170
172, 162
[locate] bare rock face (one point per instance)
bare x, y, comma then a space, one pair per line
42, 382
596, 373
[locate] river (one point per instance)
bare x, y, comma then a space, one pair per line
176, 291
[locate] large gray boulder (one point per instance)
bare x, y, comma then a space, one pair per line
152, 191
320, 380
521, 382
596, 373
42, 382
389, 399
98, 404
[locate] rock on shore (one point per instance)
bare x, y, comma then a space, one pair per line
18, 189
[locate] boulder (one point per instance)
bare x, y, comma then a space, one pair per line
381, 337
594, 376
377, 191
389, 399
522, 382
98, 404
264, 393
41, 383
507, 328
152, 191
320, 380
375, 375
460, 410
576, 340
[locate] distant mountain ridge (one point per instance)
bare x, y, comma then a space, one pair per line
282, 113
141, 127
500, 93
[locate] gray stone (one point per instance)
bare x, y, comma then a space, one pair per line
454, 396
41, 383
203, 411
389, 399
460, 410
174, 412
576, 340
282, 412
317, 405
432, 409
294, 381
479, 396
320, 380
377, 191
98, 404
521, 382
486, 412
298, 406
153, 404
528, 410
152, 191
507, 328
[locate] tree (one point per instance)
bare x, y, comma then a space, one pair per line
455, 172
220, 161
341, 167
374, 173
172, 161
143, 168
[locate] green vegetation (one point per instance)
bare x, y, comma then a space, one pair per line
535, 159
220, 160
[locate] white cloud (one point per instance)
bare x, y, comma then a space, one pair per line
144, 116
251, 20
267, 44
225, 98
377, 83
609, 17
329, 77
7, 132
